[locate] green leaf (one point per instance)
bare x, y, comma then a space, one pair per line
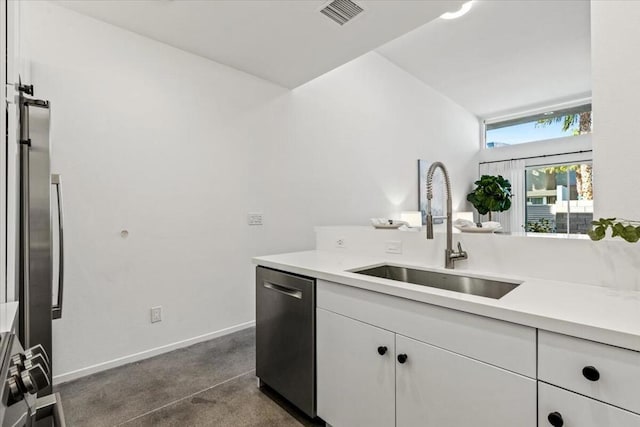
597, 233
630, 234
618, 230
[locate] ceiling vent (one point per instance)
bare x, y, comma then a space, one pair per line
341, 11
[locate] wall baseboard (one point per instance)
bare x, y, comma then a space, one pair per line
78, 373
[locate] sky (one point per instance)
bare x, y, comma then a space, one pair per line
526, 132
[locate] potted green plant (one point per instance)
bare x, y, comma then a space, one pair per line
492, 194
627, 229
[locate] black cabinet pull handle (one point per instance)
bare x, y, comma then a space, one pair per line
382, 350
591, 373
402, 358
555, 419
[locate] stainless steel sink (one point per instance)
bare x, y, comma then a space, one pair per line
451, 282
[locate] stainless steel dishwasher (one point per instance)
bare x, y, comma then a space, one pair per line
285, 336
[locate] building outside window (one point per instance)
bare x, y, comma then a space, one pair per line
559, 198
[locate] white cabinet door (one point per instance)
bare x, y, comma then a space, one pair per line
558, 407
437, 388
355, 383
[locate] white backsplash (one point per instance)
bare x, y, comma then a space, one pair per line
610, 263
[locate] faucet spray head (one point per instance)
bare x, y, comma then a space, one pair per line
429, 215
429, 226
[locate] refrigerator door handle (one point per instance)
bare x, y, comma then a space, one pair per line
57, 308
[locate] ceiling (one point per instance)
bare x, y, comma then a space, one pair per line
502, 56
286, 42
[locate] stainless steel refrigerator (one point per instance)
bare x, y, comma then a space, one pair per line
40, 230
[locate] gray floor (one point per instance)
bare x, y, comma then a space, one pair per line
208, 384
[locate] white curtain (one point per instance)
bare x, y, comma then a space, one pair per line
513, 170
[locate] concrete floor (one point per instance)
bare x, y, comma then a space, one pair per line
208, 384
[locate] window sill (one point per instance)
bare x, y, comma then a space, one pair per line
548, 235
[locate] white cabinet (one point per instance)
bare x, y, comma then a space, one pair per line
461, 369
435, 387
355, 383
498, 343
607, 379
603, 372
558, 407
359, 386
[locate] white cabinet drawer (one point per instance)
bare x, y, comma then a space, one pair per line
568, 362
578, 411
499, 343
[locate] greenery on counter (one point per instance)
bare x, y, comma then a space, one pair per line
627, 229
492, 194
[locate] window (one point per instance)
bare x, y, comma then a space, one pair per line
550, 171
559, 198
560, 123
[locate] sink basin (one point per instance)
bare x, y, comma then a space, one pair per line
451, 282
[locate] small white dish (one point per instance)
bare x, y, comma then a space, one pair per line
467, 226
389, 224
478, 229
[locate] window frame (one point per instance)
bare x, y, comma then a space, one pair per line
544, 165
516, 115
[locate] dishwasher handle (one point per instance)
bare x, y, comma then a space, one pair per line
294, 293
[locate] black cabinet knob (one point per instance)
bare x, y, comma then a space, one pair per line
402, 358
555, 419
591, 373
382, 350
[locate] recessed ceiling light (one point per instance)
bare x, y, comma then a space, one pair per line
466, 7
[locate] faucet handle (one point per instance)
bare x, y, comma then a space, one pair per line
461, 253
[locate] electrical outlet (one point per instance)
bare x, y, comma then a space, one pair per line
254, 218
393, 247
341, 243
156, 314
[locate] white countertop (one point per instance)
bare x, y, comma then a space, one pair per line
8, 316
591, 312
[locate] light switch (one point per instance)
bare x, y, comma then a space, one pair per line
393, 246
254, 218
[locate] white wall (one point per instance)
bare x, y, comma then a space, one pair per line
177, 149
344, 148
10, 52
3, 157
615, 42
142, 137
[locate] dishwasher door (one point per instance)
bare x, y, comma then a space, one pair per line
285, 336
